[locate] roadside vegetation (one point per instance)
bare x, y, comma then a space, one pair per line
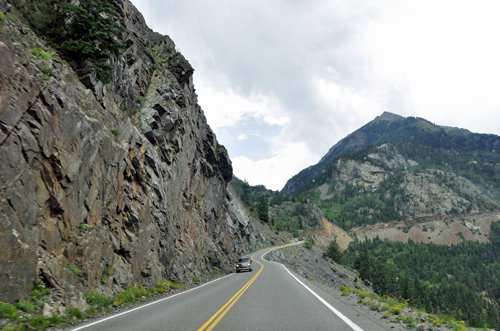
400, 311
28, 314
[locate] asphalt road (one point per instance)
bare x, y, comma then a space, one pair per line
269, 298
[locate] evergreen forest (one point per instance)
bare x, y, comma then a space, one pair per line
462, 281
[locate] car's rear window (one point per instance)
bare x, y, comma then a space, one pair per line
244, 259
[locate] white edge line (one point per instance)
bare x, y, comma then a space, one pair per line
148, 304
335, 311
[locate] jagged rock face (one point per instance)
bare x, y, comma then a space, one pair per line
350, 172
82, 185
368, 174
422, 194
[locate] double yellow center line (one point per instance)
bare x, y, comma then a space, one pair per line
223, 311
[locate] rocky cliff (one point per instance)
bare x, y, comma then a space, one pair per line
414, 192
124, 181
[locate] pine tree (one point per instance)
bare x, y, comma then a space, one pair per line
262, 209
92, 34
333, 251
245, 196
380, 276
363, 262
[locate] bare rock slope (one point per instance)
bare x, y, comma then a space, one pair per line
125, 199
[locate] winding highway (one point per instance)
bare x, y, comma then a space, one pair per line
271, 297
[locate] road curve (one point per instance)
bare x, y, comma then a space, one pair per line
271, 297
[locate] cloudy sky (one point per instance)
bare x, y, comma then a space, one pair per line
282, 81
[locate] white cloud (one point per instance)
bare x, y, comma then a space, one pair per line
227, 108
242, 137
348, 101
273, 172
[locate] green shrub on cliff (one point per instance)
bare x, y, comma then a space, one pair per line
41, 54
25, 306
116, 133
8, 311
83, 32
40, 290
75, 270
47, 72
2, 18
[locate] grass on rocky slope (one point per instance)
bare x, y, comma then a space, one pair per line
401, 311
27, 315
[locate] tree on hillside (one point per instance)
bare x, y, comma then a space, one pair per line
245, 196
363, 262
333, 251
263, 209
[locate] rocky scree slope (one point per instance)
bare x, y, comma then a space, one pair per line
125, 199
449, 230
311, 264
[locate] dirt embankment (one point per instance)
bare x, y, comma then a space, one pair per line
442, 230
447, 231
327, 233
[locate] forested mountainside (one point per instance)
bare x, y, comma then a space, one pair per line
397, 129
281, 212
461, 280
385, 182
111, 175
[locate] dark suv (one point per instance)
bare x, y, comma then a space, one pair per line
244, 263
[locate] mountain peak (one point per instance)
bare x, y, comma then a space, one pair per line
389, 116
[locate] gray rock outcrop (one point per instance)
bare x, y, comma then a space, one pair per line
421, 194
125, 182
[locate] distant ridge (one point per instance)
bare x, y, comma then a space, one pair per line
391, 127
352, 143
